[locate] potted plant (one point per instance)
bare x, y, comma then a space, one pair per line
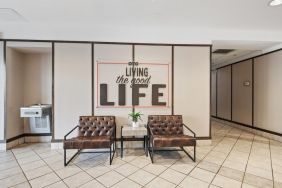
135, 117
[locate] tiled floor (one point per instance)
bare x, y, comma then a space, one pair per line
235, 159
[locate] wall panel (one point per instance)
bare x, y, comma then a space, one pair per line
224, 92
213, 93
267, 92
15, 97
72, 85
242, 92
2, 91
192, 87
160, 57
111, 53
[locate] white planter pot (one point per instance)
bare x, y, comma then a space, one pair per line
135, 124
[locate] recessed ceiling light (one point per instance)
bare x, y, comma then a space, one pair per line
275, 2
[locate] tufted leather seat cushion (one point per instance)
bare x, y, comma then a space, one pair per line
87, 142
173, 140
167, 131
96, 125
93, 132
166, 124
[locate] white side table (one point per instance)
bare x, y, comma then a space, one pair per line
129, 133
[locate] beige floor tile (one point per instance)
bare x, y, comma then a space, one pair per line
25, 155
183, 168
155, 168
98, 171
110, 178
116, 163
266, 165
277, 184
212, 167
159, 182
222, 181
235, 165
68, 171
31, 174
231, 173
33, 165
53, 159
78, 179
257, 181
45, 180
213, 159
5, 166
126, 183
140, 162
10, 172
193, 182
22, 185
142, 177
50, 153
277, 168
259, 172
13, 180
203, 175
126, 169
28, 159
172, 176
277, 177
92, 184
59, 184
245, 185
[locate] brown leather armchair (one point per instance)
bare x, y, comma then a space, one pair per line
94, 132
168, 131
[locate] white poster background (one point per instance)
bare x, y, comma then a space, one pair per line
108, 72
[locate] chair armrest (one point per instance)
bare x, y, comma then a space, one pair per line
189, 130
65, 137
113, 135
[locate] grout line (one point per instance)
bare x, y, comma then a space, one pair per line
248, 159
21, 169
271, 165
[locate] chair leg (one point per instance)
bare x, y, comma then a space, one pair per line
65, 160
193, 159
111, 155
65, 157
195, 153
151, 152
112, 152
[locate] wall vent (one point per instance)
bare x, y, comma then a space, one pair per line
223, 51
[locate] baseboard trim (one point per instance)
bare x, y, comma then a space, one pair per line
27, 135
249, 126
249, 129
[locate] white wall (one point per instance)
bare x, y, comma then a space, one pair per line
241, 93
72, 85
192, 87
213, 93
113, 53
267, 92
156, 55
15, 97
37, 78
224, 93
2, 91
